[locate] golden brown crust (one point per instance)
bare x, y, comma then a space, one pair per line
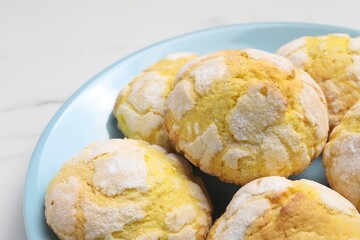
277, 208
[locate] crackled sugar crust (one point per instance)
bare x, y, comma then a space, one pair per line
341, 157
139, 107
241, 115
277, 208
334, 63
127, 189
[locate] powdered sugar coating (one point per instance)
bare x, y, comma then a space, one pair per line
355, 69
205, 146
208, 72
315, 110
123, 169
140, 124
60, 205
176, 56
118, 189
333, 61
232, 155
181, 91
180, 217
139, 107
278, 208
188, 233
237, 225
282, 63
247, 205
101, 222
251, 102
292, 46
253, 110
355, 44
295, 51
194, 62
147, 92
341, 157
198, 193
331, 198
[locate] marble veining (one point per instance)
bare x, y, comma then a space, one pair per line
34, 105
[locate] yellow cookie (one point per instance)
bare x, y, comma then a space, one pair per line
139, 107
341, 157
127, 189
276, 208
241, 115
334, 63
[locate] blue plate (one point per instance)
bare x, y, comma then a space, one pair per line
86, 116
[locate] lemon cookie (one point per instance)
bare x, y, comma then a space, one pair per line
341, 157
241, 115
277, 208
334, 63
139, 107
127, 189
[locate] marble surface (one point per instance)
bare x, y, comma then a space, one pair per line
50, 48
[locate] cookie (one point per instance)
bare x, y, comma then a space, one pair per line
277, 208
246, 114
333, 61
139, 107
127, 189
341, 157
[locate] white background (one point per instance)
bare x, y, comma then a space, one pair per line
48, 49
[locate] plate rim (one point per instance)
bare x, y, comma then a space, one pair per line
34, 159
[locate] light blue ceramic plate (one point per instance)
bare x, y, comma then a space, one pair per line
86, 116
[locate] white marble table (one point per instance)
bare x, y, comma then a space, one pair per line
48, 49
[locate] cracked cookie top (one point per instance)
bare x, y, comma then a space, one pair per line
245, 114
139, 107
277, 208
127, 189
342, 154
333, 61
